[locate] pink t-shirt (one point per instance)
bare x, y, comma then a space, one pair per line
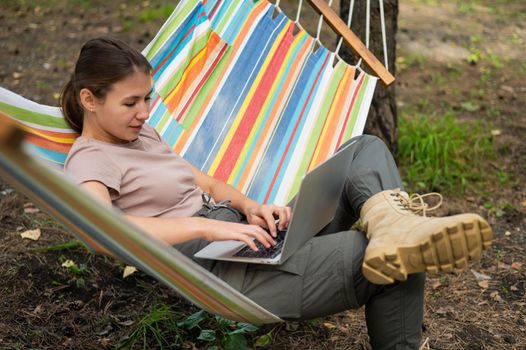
144, 177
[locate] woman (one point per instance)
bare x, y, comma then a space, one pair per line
124, 162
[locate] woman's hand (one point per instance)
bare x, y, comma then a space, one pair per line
216, 230
265, 216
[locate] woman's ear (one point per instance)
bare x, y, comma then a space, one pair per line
87, 100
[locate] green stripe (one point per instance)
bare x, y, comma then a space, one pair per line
25, 115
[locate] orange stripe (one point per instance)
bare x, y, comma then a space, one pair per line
47, 144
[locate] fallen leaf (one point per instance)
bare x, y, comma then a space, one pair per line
17, 75
495, 296
514, 288
523, 203
31, 210
441, 311
516, 265
503, 266
329, 325
128, 270
31, 234
480, 276
436, 284
507, 233
484, 284
68, 263
496, 132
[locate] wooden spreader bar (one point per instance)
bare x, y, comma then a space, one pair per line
339, 26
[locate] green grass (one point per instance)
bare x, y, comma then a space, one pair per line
151, 14
439, 153
164, 328
158, 329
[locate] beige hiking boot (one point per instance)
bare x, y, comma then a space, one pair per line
402, 242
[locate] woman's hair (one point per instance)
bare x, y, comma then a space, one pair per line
102, 62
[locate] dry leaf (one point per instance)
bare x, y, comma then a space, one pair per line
31, 234
68, 263
128, 270
480, 276
496, 132
514, 288
484, 284
441, 311
523, 203
495, 296
329, 325
30, 210
436, 284
516, 265
503, 266
507, 233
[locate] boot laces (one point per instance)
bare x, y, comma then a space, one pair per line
416, 202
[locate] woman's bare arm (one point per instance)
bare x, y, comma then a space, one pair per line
178, 230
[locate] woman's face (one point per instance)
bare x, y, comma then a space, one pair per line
119, 117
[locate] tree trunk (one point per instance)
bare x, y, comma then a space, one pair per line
382, 120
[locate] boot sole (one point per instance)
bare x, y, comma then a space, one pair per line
449, 250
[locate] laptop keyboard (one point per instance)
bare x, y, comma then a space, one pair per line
270, 253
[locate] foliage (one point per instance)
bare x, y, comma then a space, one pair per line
163, 328
442, 153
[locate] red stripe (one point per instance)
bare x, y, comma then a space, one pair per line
349, 111
294, 131
245, 126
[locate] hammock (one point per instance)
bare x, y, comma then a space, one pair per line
240, 91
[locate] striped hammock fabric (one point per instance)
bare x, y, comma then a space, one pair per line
242, 94
239, 92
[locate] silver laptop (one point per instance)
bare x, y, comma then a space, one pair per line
315, 207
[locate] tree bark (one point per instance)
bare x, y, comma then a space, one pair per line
382, 119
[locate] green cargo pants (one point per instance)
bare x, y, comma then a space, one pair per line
325, 276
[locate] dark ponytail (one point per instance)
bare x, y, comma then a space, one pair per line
71, 107
102, 62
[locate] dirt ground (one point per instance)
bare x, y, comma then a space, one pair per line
465, 56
